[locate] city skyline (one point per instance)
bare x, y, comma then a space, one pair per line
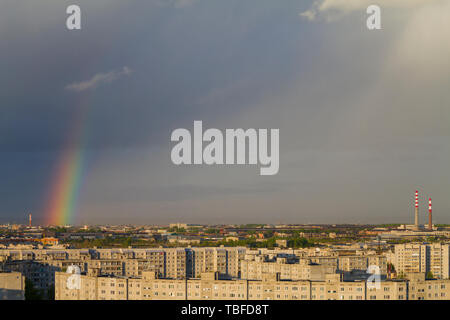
416, 220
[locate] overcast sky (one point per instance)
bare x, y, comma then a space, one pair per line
363, 115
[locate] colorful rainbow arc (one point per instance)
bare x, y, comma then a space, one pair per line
66, 183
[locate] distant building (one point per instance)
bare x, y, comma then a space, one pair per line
48, 241
281, 243
179, 225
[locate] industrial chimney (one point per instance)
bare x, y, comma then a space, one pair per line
29, 220
416, 216
430, 212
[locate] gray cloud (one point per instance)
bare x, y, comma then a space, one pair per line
332, 9
175, 3
99, 79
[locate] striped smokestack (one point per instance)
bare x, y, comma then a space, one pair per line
416, 216
430, 212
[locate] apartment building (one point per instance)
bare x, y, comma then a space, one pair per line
39, 265
224, 260
422, 258
176, 263
39, 273
93, 286
422, 289
12, 286
362, 262
237, 263
304, 270
331, 261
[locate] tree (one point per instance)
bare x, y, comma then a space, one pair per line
429, 275
268, 234
298, 243
31, 293
51, 292
126, 242
391, 266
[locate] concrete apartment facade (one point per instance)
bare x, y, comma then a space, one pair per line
270, 287
304, 270
12, 286
40, 265
423, 258
315, 265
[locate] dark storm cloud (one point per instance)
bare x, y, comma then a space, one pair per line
179, 57
190, 60
361, 115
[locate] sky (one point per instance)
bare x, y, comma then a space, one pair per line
363, 114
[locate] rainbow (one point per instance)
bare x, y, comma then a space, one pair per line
61, 205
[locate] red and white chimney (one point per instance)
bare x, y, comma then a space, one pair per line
430, 213
416, 216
